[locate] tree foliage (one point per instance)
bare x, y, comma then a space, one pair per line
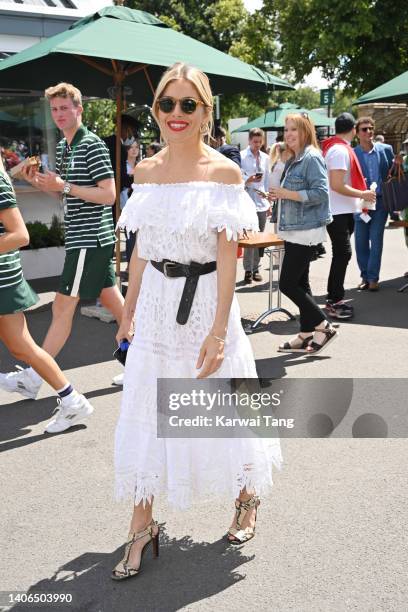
100, 116
223, 24
360, 43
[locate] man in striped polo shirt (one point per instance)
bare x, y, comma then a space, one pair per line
85, 186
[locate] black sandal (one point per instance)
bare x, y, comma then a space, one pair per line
286, 347
315, 348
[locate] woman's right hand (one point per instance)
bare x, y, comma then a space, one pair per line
368, 196
125, 331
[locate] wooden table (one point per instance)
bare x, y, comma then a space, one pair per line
400, 224
272, 244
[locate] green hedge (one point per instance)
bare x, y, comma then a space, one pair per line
42, 236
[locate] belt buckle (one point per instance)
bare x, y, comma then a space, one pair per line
165, 265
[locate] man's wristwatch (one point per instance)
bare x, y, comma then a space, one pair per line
67, 188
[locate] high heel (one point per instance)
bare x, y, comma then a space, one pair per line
123, 571
239, 535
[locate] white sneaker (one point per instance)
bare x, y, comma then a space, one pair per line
20, 382
118, 380
72, 409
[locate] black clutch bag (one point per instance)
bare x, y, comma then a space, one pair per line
121, 352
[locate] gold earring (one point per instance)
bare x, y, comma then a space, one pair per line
203, 128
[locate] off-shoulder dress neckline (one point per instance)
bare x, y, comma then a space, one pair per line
192, 184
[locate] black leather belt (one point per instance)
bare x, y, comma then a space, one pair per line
172, 269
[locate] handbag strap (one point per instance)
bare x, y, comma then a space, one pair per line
396, 170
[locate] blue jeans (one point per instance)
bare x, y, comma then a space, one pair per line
369, 242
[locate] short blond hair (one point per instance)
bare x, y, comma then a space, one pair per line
64, 90
199, 79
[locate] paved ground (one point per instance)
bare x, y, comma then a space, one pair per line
331, 537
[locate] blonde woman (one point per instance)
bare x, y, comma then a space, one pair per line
188, 206
16, 296
303, 215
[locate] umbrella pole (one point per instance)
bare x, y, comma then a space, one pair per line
119, 103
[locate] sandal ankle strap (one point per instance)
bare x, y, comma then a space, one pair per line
252, 502
138, 535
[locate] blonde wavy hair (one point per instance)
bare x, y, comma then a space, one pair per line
200, 80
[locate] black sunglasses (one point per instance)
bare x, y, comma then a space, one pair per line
187, 105
367, 129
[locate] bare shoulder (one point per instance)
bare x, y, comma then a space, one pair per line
146, 170
223, 170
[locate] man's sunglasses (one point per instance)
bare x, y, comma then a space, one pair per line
367, 129
187, 105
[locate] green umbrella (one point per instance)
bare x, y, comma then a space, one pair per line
274, 118
128, 49
395, 90
126, 45
7, 118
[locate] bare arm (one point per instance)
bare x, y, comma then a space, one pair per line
336, 180
16, 235
284, 194
104, 192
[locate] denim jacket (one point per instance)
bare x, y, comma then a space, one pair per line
306, 174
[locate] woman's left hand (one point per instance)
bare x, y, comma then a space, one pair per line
211, 356
277, 192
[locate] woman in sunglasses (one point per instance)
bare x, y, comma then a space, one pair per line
189, 207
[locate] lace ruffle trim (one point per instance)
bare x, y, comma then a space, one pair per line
181, 206
143, 488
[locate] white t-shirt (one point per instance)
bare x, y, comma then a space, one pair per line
276, 174
337, 158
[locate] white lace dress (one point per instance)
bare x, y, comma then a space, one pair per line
180, 222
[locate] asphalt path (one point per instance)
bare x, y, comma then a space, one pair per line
332, 536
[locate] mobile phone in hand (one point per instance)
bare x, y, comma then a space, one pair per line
261, 193
258, 176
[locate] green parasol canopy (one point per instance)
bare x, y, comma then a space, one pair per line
274, 118
395, 90
129, 46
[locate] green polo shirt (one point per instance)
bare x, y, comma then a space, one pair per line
85, 162
10, 266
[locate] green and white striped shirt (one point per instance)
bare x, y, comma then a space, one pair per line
10, 266
85, 163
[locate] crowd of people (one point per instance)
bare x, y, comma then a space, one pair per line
188, 206
313, 192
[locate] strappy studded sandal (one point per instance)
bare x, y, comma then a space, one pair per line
315, 348
298, 344
237, 535
123, 571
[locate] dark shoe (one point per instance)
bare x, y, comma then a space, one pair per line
123, 571
248, 278
298, 344
339, 310
320, 250
373, 286
256, 276
315, 348
363, 285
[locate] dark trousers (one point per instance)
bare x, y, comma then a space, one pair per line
130, 244
340, 231
252, 256
294, 283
